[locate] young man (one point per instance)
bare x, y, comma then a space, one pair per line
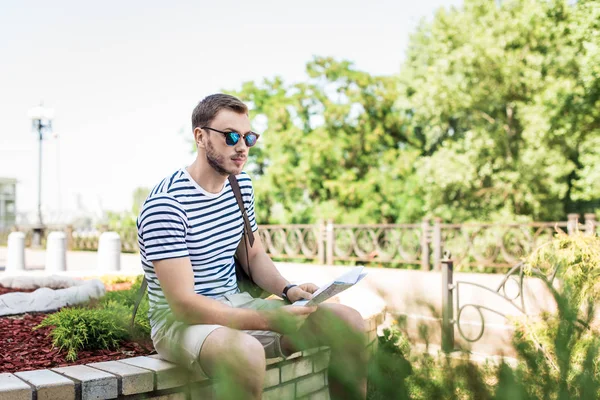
189, 229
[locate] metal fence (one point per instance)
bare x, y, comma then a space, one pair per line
473, 245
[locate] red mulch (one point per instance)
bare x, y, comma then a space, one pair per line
23, 349
4, 290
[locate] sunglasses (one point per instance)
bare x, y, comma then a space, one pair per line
232, 138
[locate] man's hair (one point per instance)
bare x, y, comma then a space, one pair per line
208, 108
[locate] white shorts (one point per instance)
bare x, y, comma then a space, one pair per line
181, 344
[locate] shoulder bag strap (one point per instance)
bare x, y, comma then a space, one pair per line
138, 300
235, 188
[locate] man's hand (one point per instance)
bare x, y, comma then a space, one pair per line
288, 319
300, 292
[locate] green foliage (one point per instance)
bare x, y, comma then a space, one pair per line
495, 115
564, 346
126, 299
100, 325
81, 328
396, 372
557, 354
575, 259
499, 93
389, 368
330, 147
127, 219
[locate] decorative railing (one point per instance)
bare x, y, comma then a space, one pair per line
293, 241
495, 245
474, 245
398, 244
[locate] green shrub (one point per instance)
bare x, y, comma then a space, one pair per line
79, 328
558, 354
127, 298
101, 324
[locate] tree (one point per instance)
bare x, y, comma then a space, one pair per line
334, 146
506, 95
495, 115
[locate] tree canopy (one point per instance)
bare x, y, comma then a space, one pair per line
495, 115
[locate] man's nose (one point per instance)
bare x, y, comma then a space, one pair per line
241, 146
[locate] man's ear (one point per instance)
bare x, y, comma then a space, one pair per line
199, 138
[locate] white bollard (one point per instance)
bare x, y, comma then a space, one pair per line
56, 252
16, 252
109, 252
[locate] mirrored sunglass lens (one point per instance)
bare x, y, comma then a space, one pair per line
232, 138
250, 140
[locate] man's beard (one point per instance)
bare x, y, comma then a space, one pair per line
216, 161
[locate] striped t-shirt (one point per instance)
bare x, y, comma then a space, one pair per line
180, 219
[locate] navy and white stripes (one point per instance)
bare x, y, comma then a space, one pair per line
180, 219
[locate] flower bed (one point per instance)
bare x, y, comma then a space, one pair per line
126, 369
94, 331
22, 348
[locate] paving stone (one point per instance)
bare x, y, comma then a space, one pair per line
320, 395
134, 380
296, 369
168, 375
309, 385
321, 360
95, 384
280, 392
310, 352
171, 396
272, 377
271, 361
292, 356
49, 385
194, 376
13, 388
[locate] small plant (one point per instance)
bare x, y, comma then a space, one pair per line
101, 324
558, 354
127, 298
560, 351
79, 328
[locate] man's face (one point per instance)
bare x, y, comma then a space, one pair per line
225, 159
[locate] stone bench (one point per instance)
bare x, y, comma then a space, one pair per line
302, 375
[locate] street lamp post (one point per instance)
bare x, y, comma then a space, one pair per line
41, 119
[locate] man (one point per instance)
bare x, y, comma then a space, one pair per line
189, 229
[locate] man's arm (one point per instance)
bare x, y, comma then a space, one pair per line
266, 275
176, 279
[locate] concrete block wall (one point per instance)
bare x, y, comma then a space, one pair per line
302, 375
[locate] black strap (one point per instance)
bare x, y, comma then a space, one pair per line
235, 187
248, 234
138, 300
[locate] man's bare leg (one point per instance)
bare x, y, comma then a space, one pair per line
237, 361
342, 329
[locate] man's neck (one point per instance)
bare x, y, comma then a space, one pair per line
205, 176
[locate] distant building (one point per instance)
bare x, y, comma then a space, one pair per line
8, 201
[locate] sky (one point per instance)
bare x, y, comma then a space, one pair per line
124, 76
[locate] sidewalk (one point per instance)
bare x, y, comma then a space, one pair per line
78, 262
